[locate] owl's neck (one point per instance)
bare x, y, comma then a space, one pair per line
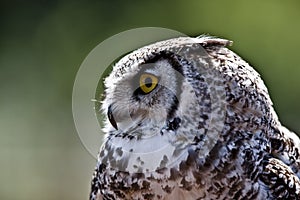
145, 154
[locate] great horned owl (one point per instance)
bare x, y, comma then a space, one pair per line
189, 119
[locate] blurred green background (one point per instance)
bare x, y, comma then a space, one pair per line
43, 43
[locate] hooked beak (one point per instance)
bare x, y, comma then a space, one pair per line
111, 118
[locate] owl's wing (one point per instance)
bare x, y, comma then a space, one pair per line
281, 181
95, 189
286, 147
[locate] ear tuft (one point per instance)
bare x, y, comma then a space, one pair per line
206, 41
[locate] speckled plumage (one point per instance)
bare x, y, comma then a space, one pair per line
207, 131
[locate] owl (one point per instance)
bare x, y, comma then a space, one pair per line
187, 118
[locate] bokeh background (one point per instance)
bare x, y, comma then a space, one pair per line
43, 43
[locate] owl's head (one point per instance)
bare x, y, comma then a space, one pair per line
154, 88
180, 92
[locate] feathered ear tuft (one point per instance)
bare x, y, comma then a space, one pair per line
206, 41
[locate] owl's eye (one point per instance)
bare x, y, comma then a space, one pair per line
148, 82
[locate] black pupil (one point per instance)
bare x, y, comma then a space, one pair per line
148, 82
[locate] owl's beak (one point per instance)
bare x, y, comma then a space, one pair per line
111, 118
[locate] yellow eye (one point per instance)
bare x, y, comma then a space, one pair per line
148, 82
